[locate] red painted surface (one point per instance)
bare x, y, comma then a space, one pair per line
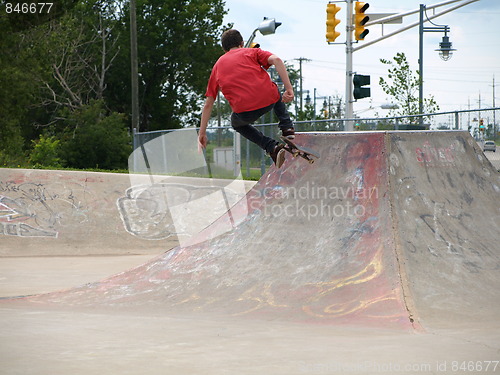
312, 247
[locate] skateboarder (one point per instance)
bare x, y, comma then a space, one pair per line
241, 75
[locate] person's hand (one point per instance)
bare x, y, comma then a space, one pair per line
202, 140
287, 96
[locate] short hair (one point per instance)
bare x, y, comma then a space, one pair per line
231, 38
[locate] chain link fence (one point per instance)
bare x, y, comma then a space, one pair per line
225, 160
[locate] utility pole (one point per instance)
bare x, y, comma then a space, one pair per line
134, 68
348, 126
494, 112
300, 60
479, 119
479, 101
421, 64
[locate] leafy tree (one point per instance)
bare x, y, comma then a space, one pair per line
79, 50
55, 68
402, 87
17, 93
178, 42
22, 15
96, 139
38, 55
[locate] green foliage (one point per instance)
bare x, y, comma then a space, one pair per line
12, 160
306, 114
11, 145
96, 139
55, 68
22, 15
46, 152
17, 94
178, 43
402, 87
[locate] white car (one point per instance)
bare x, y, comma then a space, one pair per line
489, 146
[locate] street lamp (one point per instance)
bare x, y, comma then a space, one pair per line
445, 52
267, 27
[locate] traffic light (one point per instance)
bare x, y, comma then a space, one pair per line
360, 19
359, 81
332, 22
481, 125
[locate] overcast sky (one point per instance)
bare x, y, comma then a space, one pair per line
454, 83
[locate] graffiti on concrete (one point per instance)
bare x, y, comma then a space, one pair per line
163, 210
144, 212
40, 209
431, 155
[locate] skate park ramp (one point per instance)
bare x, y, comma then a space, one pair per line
69, 213
396, 230
78, 213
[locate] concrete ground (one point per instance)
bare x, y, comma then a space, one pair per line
85, 342
20, 276
120, 343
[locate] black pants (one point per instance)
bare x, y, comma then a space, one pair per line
241, 123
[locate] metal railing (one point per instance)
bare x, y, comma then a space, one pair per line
254, 162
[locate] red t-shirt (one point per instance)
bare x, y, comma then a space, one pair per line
241, 75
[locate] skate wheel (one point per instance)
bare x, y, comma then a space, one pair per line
311, 161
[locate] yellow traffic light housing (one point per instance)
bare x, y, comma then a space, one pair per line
332, 22
481, 125
360, 19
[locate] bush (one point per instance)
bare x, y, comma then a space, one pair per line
11, 145
96, 139
46, 152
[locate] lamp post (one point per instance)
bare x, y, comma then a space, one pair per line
445, 52
267, 27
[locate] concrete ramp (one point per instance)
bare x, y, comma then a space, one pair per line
69, 213
76, 213
445, 196
386, 229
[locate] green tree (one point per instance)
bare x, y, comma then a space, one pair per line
96, 139
178, 43
17, 93
22, 15
53, 68
48, 60
402, 87
79, 50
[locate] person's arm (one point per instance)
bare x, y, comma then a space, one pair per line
205, 116
281, 69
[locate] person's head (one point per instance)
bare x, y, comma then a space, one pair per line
230, 39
